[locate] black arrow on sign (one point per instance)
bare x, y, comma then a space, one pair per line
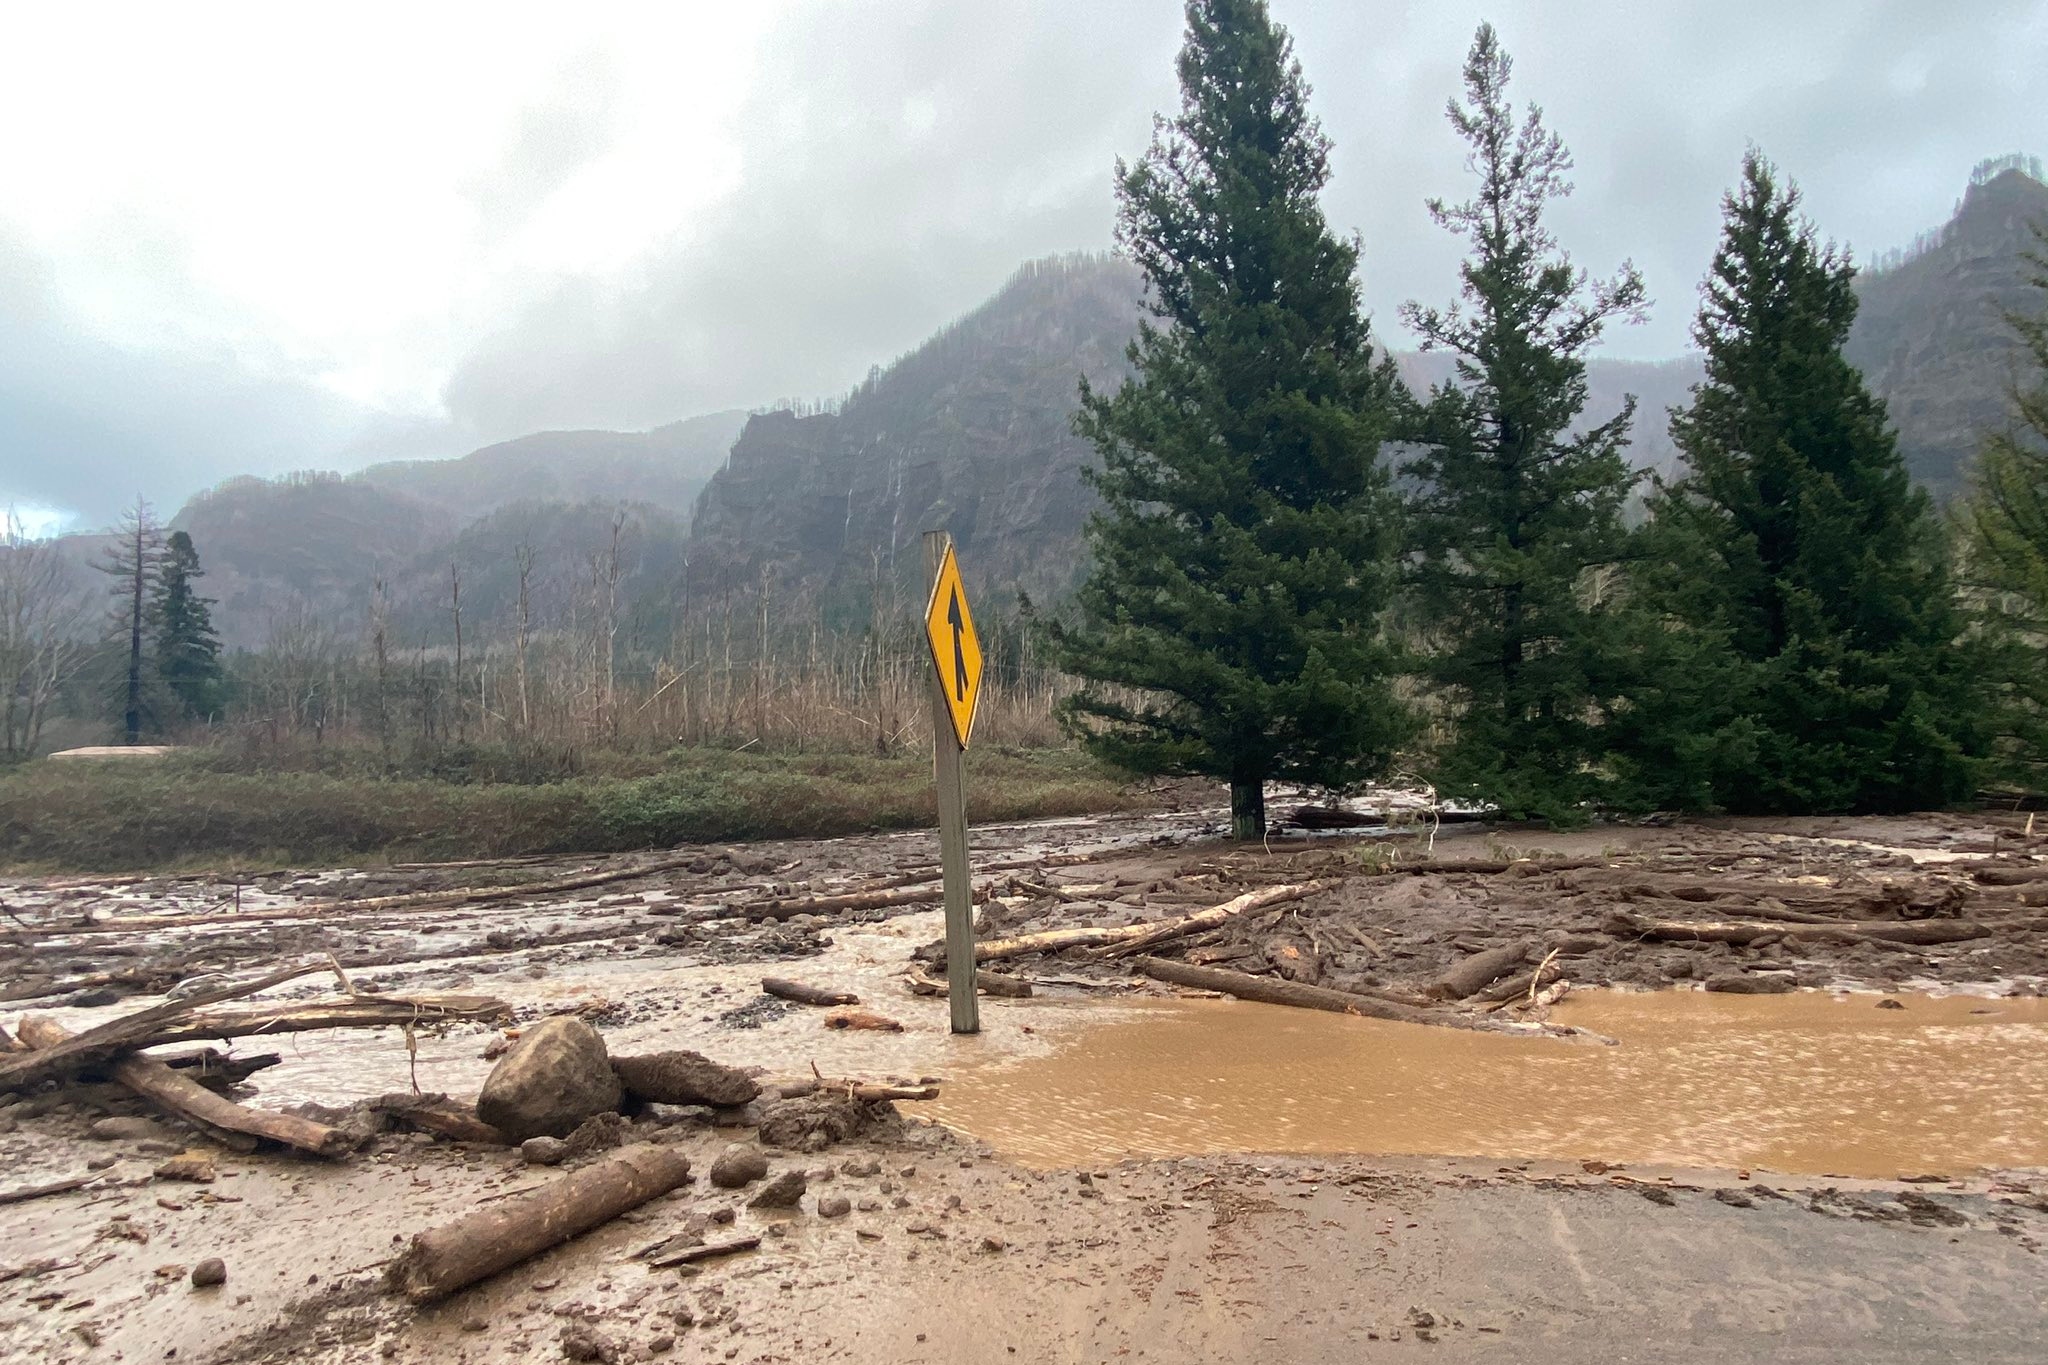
959, 653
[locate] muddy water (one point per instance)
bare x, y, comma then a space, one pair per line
1803, 1083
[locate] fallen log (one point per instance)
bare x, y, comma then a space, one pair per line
1481, 969
439, 1115
1132, 938
181, 1024
121, 1035
806, 995
442, 1260
1270, 991
1336, 817
182, 1097
2010, 876
410, 900
1906, 932
25, 1193
988, 983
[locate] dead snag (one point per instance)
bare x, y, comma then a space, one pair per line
1478, 971
806, 995
185, 1098
442, 1260
1119, 940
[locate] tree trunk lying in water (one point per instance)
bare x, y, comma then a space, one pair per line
496, 1237
1270, 991
804, 994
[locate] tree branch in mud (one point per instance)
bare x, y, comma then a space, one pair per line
1474, 973
185, 1098
481, 1243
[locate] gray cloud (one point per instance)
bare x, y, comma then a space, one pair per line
898, 160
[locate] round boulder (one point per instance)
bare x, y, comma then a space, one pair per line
555, 1077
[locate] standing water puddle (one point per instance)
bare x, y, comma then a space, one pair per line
1803, 1083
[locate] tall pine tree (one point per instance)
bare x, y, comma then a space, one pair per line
2005, 527
1516, 514
187, 649
1243, 555
1812, 627
131, 560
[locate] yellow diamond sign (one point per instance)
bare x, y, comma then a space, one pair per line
955, 650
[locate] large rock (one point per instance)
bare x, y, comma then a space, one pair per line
738, 1165
555, 1077
684, 1078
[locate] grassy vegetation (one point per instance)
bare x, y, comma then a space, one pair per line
208, 809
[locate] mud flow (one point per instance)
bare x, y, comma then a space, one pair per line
1806, 1084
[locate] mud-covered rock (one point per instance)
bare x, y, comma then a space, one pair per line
684, 1077
209, 1272
552, 1080
785, 1191
1752, 983
598, 1133
739, 1164
814, 1122
582, 1344
125, 1128
544, 1151
834, 1206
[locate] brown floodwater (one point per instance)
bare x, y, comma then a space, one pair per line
1805, 1083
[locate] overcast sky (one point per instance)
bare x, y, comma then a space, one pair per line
249, 239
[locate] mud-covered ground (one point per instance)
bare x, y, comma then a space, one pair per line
1272, 1258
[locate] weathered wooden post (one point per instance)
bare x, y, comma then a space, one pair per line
956, 686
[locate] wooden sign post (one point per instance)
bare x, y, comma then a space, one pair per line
956, 687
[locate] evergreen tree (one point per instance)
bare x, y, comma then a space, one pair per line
1243, 553
1812, 627
1516, 515
2005, 528
187, 649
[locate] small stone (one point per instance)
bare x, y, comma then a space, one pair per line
122, 1128
901, 1201
100, 1163
580, 1343
738, 1165
194, 1166
834, 1206
1890, 1004
210, 1272
783, 1192
870, 1206
475, 1324
543, 1151
725, 1215
661, 1346
861, 1167
994, 1244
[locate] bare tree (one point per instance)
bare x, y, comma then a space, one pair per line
41, 615
525, 638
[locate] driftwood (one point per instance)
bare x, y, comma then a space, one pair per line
806, 995
442, 1260
862, 1019
1905, 932
410, 900
439, 1115
2010, 876
1120, 940
1271, 991
24, 1193
669, 1253
1517, 987
121, 1035
180, 1095
1478, 971
1335, 817
988, 983
180, 1022
865, 1091
1274, 991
